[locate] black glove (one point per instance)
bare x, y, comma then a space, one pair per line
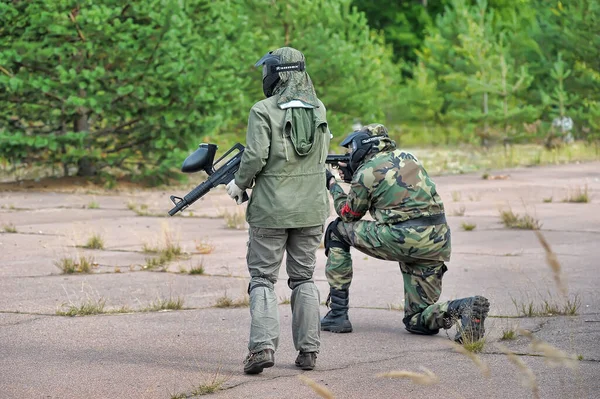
328, 176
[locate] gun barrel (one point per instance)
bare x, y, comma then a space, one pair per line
334, 159
191, 197
177, 208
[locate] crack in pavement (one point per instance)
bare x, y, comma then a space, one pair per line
20, 322
527, 354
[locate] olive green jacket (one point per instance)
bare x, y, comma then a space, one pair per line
284, 164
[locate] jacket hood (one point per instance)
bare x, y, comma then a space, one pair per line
294, 85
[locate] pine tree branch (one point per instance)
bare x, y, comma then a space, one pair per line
129, 145
6, 72
79, 32
116, 128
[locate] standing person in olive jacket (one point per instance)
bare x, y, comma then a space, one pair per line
284, 164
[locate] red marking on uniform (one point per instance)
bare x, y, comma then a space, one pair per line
346, 209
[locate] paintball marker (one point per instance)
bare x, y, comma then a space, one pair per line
334, 161
202, 159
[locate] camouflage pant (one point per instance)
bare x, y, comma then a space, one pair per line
421, 252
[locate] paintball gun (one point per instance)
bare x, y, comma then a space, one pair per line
202, 159
334, 161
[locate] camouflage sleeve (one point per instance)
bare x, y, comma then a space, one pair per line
258, 141
352, 206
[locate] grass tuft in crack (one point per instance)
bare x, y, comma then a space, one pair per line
9, 228
516, 221
70, 266
95, 242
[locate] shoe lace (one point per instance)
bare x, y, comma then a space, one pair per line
249, 357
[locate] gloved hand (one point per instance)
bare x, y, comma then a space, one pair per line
235, 192
328, 177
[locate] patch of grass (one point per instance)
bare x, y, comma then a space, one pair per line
399, 307
93, 205
547, 200
475, 197
95, 242
508, 334
170, 250
164, 304
140, 210
235, 220
485, 176
474, 346
578, 196
122, 309
227, 302
458, 212
468, 226
9, 228
580, 357
214, 384
161, 260
548, 307
515, 221
87, 308
285, 301
199, 269
469, 343
455, 196
149, 249
69, 265
204, 247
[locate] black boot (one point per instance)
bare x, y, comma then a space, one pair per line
336, 320
472, 313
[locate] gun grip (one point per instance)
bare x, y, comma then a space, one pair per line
245, 196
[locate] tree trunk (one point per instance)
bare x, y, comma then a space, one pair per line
85, 166
486, 127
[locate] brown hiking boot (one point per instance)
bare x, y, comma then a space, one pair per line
306, 360
256, 362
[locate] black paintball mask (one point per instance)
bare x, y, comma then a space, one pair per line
272, 65
360, 144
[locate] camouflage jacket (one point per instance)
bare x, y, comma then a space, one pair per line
392, 185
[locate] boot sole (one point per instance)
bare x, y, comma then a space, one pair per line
480, 309
341, 330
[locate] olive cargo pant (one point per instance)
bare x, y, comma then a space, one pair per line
266, 247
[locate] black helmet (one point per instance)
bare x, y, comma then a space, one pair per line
362, 143
271, 67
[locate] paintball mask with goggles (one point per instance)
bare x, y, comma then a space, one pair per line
360, 144
272, 65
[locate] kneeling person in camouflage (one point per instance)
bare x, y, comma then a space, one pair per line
409, 227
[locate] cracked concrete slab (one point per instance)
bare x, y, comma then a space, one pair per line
160, 354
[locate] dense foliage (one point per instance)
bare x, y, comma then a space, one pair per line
96, 86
